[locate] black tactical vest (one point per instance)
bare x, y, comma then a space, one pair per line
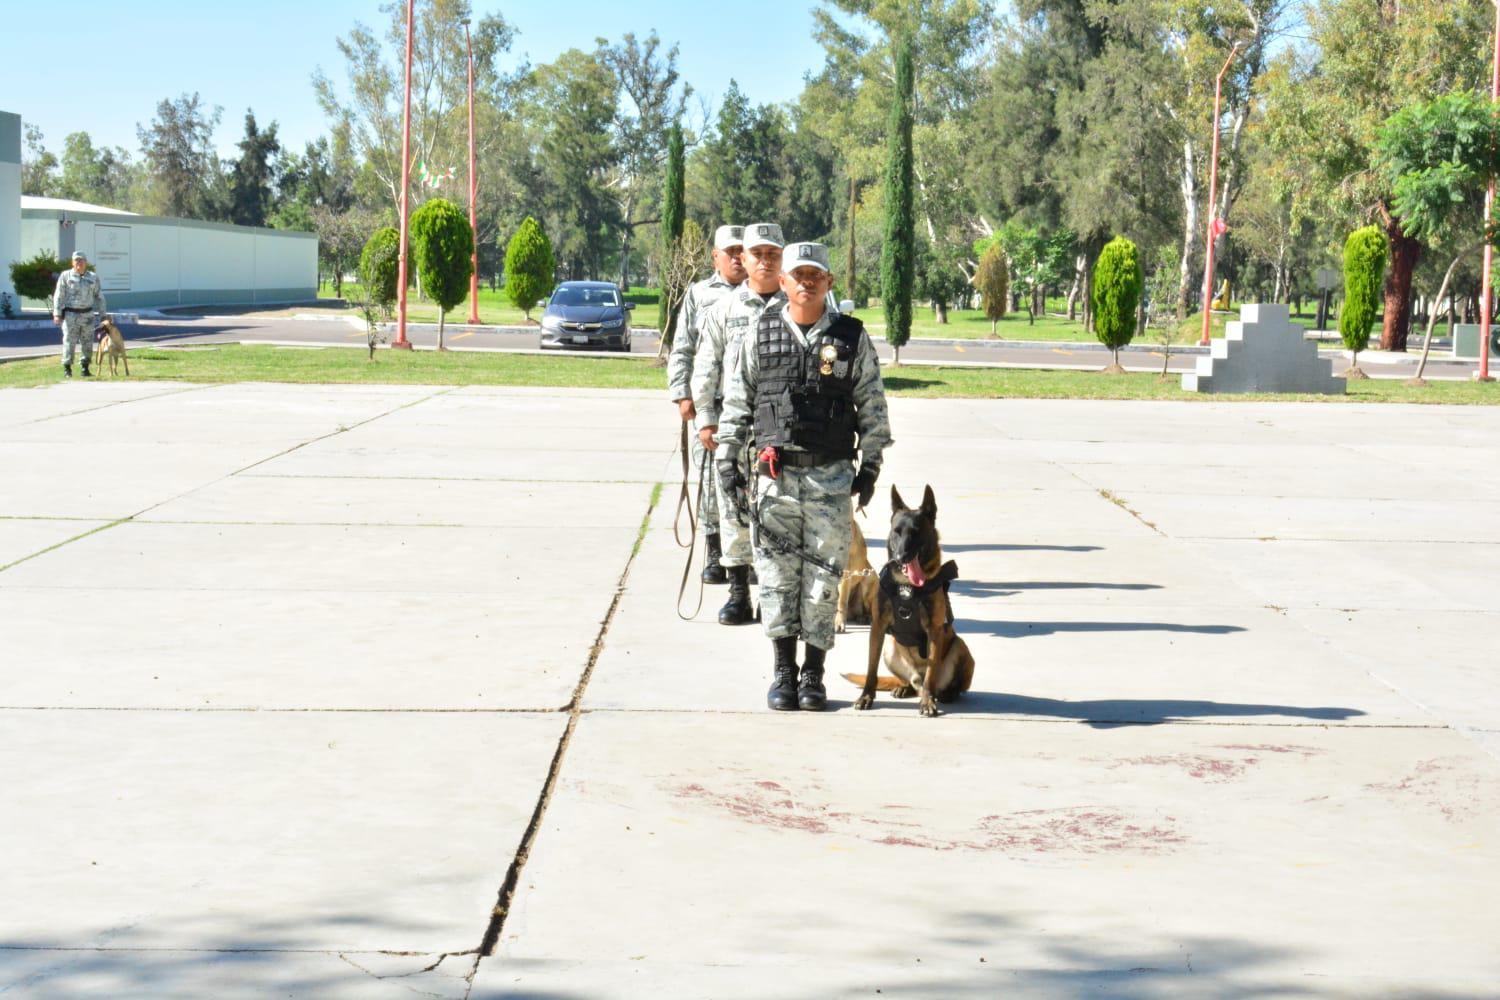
804, 396
909, 608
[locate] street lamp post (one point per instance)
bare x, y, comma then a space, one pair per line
473, 228
401, 341
1487, 294
1214, 227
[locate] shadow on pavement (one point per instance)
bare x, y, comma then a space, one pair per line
1022, 629
981, 588
1108, 712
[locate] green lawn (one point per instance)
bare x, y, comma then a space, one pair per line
238, 363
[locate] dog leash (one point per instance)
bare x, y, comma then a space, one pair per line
776, 541
687, 569
684, 498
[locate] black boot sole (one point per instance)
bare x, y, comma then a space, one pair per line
717, 578
737, 618
810, 705
790, 706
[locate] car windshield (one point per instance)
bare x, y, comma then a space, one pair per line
586, 297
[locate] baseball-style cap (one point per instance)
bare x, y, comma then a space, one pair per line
728, 236
78, 255
763, 234
805, 255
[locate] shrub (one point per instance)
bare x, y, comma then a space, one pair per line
37, 278
1116, 295
380, 268
1365, 255
993, 281
529, 267
442, 245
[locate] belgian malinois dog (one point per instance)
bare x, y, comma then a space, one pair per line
111, 342
926, 656
857, 585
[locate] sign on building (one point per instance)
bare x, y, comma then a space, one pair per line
112, 257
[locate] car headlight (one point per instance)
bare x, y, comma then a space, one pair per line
613, 324
551, 324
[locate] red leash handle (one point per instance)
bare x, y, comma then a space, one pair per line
770, 460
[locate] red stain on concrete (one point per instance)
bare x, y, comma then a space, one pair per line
1195, 764
1071, 830
1445, 784
1298, 749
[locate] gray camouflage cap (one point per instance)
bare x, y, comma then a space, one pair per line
78, 255
805, 255
763, 234
729, 236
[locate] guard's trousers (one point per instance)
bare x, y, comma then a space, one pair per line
77, 335
808, 508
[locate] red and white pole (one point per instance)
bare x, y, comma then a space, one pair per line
1213, 208
401, 340
473, 228
1487, 294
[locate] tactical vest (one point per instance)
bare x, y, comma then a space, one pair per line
804, 396
909, 605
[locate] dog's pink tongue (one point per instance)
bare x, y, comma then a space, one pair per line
914, 574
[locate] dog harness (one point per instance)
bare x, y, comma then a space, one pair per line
805, 395
908, 603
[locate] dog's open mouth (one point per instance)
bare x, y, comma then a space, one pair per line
914, 573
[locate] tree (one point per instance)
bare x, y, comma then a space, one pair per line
652, 103
898, 253
340, 236
1438, 158
37, 278
443, 248
181, 167
1368, 59
993, 280
529, 267
370, 106
97, 176
1116, 297
680, 266
1161, 303
38, 167
253, 175
672, 217
1365, 255
379, 271
938, 280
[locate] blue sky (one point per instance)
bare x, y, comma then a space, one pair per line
102, 67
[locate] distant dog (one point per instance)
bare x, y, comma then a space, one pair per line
927, 657
110, 341
857, 586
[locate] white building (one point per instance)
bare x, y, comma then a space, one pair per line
148, 261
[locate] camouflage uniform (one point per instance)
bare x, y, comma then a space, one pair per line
700, 297
720, 332
807, 506
79, 302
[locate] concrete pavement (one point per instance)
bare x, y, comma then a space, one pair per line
301, 680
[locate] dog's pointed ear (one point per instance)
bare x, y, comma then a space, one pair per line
896, 502
929, 502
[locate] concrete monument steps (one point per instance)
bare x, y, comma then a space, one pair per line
1263, 351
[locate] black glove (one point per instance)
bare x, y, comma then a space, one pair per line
864, 483
733, 485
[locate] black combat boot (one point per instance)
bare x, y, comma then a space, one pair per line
811, 695
712, 571
738, 610
67, 371
86, 372
783, 694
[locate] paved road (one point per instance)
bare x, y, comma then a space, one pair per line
252, 329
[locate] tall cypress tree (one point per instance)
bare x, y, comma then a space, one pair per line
672, 214
898, 256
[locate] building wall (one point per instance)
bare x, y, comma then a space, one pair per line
10, 196
143, 261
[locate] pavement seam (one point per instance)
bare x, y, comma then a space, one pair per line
342, 429
121, 402
575, 711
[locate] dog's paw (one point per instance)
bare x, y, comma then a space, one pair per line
904, 691
929, 707
838, 624
864, 701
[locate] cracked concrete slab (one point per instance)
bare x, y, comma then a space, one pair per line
22, 537
20, 407
847, 848
191, 975
242, 830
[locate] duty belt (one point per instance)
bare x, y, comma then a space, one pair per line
802, 459
78, 309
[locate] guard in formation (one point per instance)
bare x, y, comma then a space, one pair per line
721, 331
804, 395
78, 306
729, 272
